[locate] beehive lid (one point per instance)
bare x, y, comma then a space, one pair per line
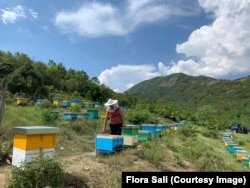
162, 125
108, 136
133, 126
35, 130
148, 125
144, 132
241, 151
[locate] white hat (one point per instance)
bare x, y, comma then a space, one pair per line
110, 102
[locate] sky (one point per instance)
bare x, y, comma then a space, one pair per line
124, 42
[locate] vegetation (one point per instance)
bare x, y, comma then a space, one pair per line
208, 105
40, 173
190, 148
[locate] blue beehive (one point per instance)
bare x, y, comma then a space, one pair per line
66, 102
70, 115
149, 127
81, 115
162, 127
75, 102
39, 102
109, 143
234, 149
97, 104
92, 114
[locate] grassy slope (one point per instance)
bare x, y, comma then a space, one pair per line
173, 152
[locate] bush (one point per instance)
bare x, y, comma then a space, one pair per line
38, 174
75, 108
138, 117
46, 104
48, 116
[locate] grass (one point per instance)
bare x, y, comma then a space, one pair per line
181, 150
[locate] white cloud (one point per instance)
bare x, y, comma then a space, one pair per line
11, 15
122, 77
222, 48
33, 13
219, 50
98, 19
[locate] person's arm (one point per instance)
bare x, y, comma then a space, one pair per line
105, 122
123, 119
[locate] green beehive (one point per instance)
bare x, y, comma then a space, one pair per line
144, 135
130, 130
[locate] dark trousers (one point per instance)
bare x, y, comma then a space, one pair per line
116, 129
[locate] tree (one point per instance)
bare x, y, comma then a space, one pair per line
3, 90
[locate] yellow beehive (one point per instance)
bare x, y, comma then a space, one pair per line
240, 154
103, 116
32, 141
57, 101
22, 101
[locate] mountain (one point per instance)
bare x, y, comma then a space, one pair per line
187, 90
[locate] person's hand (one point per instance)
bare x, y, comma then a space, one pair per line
103, 130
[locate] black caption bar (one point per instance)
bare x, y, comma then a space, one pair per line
183, 179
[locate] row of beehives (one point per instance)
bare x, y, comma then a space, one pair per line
233, 148
70, 116
61, 102
32, 141
131, 135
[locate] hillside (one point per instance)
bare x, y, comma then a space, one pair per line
179, 87
230, 97
75, 148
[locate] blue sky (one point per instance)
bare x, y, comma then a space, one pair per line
124, 42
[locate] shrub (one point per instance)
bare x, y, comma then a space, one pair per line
46, 104
138, 117
39, 174
48, 116
75, 108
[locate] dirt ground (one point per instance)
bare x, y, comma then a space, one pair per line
92, 171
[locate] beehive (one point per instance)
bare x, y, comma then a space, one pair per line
234, 149
102, 116
75, 102
97, 105
22, 101
70, 115
245, 160
240, 154
162, 127
144, 135
149, 127
130, 140
130, 130
32, 141
108, 143
39, 102
66, 102
88, 104
81, 115
92, 114
57, 101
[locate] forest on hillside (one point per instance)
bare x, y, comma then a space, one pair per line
38, 80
